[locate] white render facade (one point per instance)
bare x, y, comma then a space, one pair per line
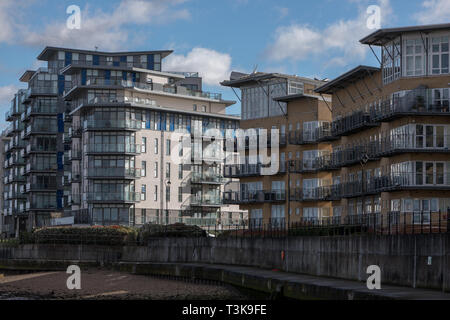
117, 118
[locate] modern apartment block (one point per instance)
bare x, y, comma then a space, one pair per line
94, 138
5, 225
290, 105
381, 145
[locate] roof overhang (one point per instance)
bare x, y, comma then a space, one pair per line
255, 78
46, 54
347, 79
382, 36
27, 76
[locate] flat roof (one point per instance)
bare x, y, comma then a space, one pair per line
48, 51
346, 79
254, 78
381, 36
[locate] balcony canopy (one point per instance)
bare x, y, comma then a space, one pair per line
347, 79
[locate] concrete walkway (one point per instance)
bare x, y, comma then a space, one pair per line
290, 285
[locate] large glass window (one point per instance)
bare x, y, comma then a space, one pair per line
439, 55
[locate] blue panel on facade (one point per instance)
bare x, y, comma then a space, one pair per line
123, 59
172, 122
124, 76
59, 197
163, 121
147, 123
107, 74
158, 119
150, 62
116, 63
68, 59
188, 126
83, 77
59, 159
60, 123
96, 61
61, 84
134, 76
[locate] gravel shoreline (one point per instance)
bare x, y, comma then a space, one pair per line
108, 285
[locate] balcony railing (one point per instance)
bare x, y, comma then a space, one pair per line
114, 197
148, 87
414, 102
248, 197
112, 124
198, 177
113, 148
326, 193
206, 200
352, 123
133, 173
242, 170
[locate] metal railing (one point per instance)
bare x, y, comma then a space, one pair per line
241, 197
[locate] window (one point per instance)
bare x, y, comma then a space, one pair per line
143, 216
180, 172
180, 194
439, 55
168, 147
156, 145
167, 193
195, 107
168, 170
415, 60
277, 216
143, 192
144, 169
155, 194
144, 145
155, 172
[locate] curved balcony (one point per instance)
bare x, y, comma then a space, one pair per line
109, 148
114, 173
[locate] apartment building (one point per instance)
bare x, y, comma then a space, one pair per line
392, 153
290, 105
97, 134
4, 223
374, 141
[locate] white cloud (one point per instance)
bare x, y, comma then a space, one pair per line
300, 42
213, 66
434, 11
105, 30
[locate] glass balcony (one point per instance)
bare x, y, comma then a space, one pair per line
206, 200
207, 178
38, 187
126, 124
113, 148
132, 173
114, 197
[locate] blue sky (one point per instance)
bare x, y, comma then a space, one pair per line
308, 38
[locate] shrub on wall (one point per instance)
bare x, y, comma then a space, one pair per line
149, 231
114, 235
